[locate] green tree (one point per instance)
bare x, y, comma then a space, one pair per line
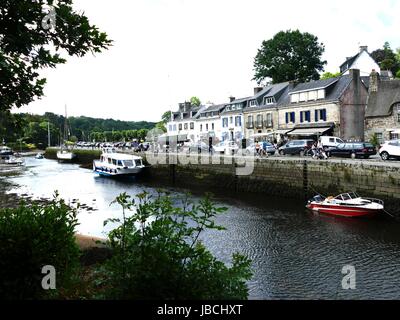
166, 117
36, 35
329, 75
386, 58
195, 101
289, 55
398, 74
157, 253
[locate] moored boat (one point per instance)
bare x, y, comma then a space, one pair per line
346, 205
118, 164
65, 155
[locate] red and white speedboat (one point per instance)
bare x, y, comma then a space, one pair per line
346, 205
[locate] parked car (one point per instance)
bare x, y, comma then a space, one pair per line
353, 150
390, 149
299, 147
227, 147
268, 147
196, 147
330, 142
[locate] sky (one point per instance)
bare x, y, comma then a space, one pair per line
166, 51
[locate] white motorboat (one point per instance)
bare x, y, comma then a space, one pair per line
5, 151
39, 156
118, 164
66, 155
11, 160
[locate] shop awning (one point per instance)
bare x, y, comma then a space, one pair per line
308, 131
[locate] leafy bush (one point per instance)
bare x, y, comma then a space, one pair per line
157, 253
32, 237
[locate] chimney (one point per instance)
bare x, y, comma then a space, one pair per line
257, 90
355, 74
292, 84
363, 48
231, 99
373, 81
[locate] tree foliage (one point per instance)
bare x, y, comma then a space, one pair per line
33, 129
195, 101
33, 236
386, 58
289, 55
329, 75
27, 45
157, 252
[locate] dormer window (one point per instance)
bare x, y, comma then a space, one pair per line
269, 100
252, 103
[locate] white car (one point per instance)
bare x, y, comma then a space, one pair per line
330, 142
390, 149
227, 147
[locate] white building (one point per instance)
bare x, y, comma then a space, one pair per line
209, 123
233, 120
362, 61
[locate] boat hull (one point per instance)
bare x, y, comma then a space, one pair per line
65, 156
343, 211
113, 172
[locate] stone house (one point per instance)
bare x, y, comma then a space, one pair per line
333, 106
382, 116
260, 114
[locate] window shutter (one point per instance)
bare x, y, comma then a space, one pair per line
287, 117
316, 115
294, 117
301, 117
324, 114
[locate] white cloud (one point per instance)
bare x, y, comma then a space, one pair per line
166, 51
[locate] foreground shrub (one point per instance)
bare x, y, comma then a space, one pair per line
157, 253
30, 238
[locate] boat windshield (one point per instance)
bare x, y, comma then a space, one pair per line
347, 196
128, 163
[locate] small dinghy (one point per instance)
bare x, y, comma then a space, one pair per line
346, 205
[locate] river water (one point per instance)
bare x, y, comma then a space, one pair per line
296, 254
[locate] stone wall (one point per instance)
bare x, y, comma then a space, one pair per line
381, 125
288, 178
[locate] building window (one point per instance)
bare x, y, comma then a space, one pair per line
180, 126
268, 120
398, 112
379, 137
185, 126
294, 98
320, 115
259, 120
170, 127
290, 117
201, 128
212, 126
252, 103
230, 120
224, 122
174, 127
191, 125
207, 127
321, 94
250, 123
305, 116
269, 100
238, 121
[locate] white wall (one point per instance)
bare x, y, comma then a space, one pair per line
365, 64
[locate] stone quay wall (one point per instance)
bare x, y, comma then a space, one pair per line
299, 178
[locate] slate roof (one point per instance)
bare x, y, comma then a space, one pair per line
380, 103
213, 108
313, 85
333, 90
